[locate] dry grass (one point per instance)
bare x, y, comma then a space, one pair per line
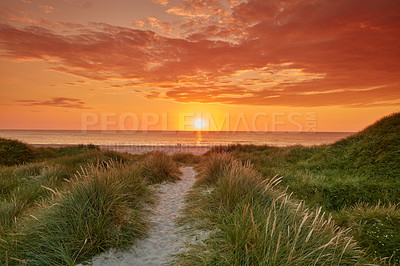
158, 167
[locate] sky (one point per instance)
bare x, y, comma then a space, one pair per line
284, 65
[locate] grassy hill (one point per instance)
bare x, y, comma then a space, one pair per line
357, 179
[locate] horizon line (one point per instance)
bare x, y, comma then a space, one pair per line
193, 131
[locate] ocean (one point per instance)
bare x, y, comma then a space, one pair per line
123, 140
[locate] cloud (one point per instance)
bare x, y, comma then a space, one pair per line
161, 2
197, 8
56, 102
155, 24
257, 52
47, 9
11, 13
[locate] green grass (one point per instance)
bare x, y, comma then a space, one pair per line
14, 152
361, 169
212, 167
103, 207
48, 152
253, 223
69, 204
377, 228
186, 158
22, 186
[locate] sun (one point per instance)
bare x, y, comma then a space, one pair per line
199, 123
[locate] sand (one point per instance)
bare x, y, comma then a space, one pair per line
165, 237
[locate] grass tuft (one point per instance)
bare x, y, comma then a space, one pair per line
361, 170
158, 167
103, 208
186, 158
213, 166
254, 223
377, 229
14, 152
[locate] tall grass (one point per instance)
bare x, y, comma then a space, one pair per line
23, 186
186, 158
14, 152
254, 223
69, 204
49, 152
377, 229
212, 167
361, 169
104, 207
158, 167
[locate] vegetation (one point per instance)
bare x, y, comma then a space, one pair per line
332, 204
362, 170
158, 167
376, 228
103, 208
253, 223
47, 152
212, 167
186, 158
14, 152
69, 204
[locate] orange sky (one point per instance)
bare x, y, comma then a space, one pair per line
258, 64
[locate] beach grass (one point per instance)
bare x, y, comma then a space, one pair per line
254, 223
23, 186
186, 158
14, 152
361, 170
158, 167
376, 227
103, 207
212, 167
69, 204
332, 204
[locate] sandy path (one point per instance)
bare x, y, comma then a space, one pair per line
165, 238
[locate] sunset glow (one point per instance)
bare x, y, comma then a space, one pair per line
199, 124
60, 60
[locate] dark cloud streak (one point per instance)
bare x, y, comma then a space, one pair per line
56, 102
